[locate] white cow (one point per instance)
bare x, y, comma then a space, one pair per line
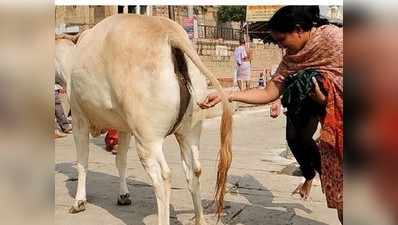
125, 75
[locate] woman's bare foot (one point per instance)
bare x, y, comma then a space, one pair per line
304, 189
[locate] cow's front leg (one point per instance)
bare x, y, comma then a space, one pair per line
80, 134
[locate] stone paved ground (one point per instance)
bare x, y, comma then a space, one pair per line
260, 193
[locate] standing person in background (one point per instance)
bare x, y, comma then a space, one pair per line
64, 124
267, 76
243, 65
261, 81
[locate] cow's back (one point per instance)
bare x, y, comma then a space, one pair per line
124, 73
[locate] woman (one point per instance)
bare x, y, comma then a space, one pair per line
242, 65
309, 45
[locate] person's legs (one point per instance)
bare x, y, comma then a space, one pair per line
302, 145
57, 132
304, 149
307, 132
240, 85
62, 121
247, 86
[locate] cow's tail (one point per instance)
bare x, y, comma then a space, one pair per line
180, 40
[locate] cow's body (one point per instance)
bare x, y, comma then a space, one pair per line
123, 77
123, 83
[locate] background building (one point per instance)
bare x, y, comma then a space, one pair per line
215, 42
334, 13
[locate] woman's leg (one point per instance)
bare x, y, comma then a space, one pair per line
304, 149
302, 145
307, 133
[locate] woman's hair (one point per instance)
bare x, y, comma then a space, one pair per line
287, 18
241, 41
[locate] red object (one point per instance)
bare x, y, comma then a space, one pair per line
111, 139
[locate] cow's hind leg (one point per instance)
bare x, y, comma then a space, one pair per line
121, 164
188, 140
154, 162
80, 134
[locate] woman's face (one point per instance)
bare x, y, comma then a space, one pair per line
292, 41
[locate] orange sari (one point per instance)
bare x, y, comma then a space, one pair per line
324, 52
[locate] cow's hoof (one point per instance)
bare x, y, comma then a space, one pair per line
201, 221
79, 207
124, 199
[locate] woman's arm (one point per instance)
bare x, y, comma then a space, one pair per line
259, 96
252, 96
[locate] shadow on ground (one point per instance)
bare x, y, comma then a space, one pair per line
259, 209
98, 141
143, 197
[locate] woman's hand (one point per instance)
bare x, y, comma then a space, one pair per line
317, 94
212, 100
279, 79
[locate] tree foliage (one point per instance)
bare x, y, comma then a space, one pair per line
199, 9
231, 13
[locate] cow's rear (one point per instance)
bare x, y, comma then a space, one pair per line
124, 77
